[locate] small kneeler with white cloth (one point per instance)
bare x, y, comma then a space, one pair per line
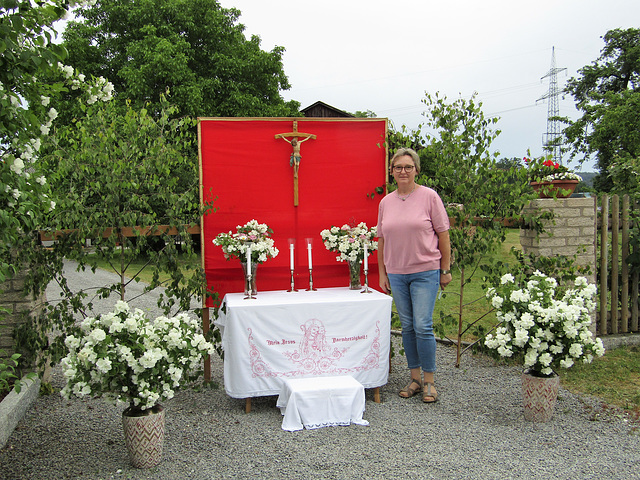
321, 402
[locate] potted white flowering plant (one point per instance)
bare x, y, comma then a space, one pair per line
252, 245
351, 243
544, 325
123, 356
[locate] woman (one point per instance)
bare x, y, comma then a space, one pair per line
414, 254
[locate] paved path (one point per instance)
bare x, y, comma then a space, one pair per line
90, 282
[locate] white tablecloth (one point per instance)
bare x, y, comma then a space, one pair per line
279, 335
321, 402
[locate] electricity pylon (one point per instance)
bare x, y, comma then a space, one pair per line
553, 138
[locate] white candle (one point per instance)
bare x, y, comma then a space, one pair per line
366, 260
291, 256
309, 252
248, 260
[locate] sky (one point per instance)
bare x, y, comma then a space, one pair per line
384, 55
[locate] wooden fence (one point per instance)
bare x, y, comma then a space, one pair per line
617, 286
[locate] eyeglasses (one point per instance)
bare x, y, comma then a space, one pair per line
406, 168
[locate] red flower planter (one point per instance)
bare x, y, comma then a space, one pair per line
555, 189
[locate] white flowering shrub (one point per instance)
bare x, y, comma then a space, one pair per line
125, 357
548, 326
348, 242
31, 62
253, 235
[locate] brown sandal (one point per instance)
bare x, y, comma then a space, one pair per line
409, 391
427, 395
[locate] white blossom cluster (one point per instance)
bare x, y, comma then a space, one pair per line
252, 235
562, 176
549, 328
123, 356
98, 89
23, 153
348, 242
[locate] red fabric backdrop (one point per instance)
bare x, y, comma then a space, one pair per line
246, 169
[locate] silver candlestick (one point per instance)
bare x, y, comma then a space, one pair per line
249, 290
293, 288
311, 281
366, 282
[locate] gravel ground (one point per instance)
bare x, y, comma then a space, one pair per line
475, 431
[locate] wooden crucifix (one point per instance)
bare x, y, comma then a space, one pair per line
294, 160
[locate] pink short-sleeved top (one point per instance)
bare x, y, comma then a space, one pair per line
409, 229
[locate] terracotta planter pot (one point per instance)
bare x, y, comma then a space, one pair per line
144, 437
539, 396
557, 188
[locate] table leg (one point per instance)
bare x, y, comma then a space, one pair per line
376, 395
247, 405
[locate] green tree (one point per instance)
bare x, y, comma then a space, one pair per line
479, 190
607, 93
113, 174
194, 48
28, 58
25, 55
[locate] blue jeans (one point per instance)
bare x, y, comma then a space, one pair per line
415, 297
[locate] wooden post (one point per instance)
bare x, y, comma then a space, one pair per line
624, 296
604, 237
615, 245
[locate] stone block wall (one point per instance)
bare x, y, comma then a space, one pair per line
571, 232
16, 306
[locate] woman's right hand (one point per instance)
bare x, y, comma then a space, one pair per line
384, 283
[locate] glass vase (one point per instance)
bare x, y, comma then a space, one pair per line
250, 284
354, 275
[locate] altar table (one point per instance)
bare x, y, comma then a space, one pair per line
283, 335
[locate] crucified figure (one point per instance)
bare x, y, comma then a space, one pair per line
296, 138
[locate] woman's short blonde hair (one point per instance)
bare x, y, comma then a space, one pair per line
406, 151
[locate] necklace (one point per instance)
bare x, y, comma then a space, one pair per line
404, 198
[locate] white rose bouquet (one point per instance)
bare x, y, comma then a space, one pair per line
348, 242
123, 356
254, 235
548, 326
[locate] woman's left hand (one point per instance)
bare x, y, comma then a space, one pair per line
445, 279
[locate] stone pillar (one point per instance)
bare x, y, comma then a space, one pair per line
18, 308
571, 232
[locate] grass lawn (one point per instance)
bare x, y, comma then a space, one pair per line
614, 378
136, 266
